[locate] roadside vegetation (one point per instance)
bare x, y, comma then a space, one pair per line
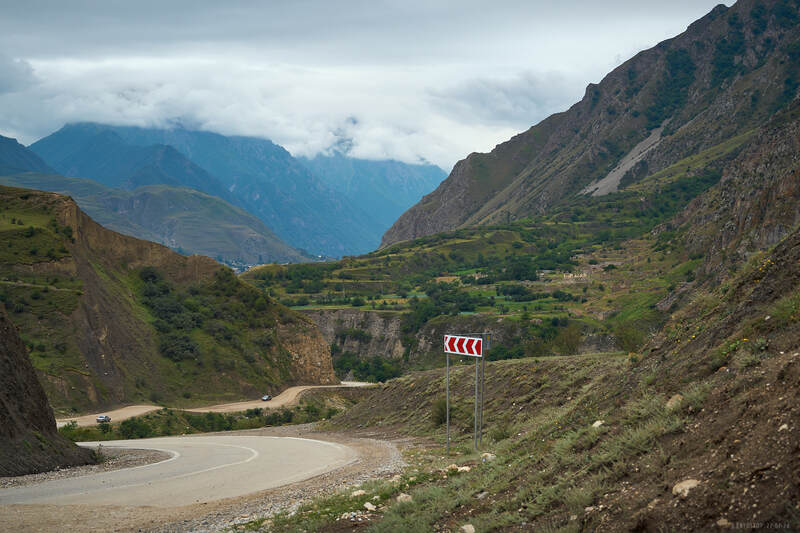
166, 422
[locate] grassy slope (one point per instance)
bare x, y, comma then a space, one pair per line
96, 337
724, 340
733, 427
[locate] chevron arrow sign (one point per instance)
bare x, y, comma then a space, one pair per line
471, 346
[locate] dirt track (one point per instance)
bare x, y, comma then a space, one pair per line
286, 398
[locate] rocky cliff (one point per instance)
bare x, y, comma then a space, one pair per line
29, 441
726, 75
380, 333
755, 205
365, 333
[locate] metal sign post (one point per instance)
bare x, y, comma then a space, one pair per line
471, 345
447, 401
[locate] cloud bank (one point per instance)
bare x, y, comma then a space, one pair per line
409, 81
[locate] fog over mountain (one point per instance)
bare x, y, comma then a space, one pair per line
411, 81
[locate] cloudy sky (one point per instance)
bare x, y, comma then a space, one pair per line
414, 80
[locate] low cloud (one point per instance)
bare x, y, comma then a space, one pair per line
15, 75
306, 110
519, 101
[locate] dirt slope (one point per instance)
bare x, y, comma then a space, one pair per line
28, 438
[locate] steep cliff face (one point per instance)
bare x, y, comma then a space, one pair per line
310, 354
111, 319
755, 205
29, 441
364, 333
370, 333
724, 76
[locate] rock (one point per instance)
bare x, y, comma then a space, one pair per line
369, 507
723, 522
588, 509
598, 423
464, 469
674, 402
481, 495
376, 497
404, 498
783, 427
682, 489
452, 467
357, 493
487, 457
396, 478
467, 528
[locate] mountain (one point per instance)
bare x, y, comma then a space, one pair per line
383, 189
110, 319
29, 441
703, 91
16, 158
184, 219
91, 151
258, 176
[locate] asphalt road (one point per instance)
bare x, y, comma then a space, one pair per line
287, 397
201, 469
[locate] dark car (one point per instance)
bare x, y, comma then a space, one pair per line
104, 419
266, 398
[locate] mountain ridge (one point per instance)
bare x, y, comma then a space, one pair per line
263, 178
726, 74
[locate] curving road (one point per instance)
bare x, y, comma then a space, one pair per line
285, 398
201, 469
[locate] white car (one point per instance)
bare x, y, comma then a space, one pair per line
266, 398
103, 419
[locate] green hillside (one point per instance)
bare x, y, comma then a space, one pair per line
110, 320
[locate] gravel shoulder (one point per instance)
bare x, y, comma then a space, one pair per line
115, 458
376, 458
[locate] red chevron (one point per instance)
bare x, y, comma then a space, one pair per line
460, 345
469, 350
479, 347
449, 343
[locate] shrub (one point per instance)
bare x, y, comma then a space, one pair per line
135, 428
178, 347
439, 411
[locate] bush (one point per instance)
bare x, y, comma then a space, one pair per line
135, 428
439, 411
178, 347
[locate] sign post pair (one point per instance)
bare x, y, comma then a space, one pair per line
471, 345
